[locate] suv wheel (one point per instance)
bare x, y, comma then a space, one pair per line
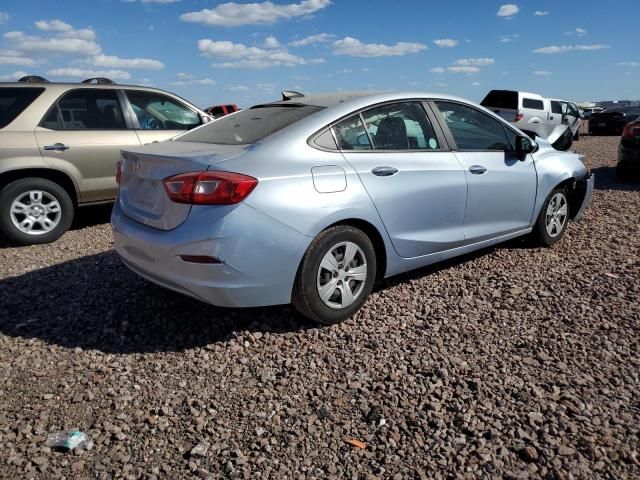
336, 275
34, 210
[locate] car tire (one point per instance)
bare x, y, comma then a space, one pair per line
556, 210
623, 172
48, 211
323, 290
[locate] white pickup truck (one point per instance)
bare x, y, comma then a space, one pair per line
555, 120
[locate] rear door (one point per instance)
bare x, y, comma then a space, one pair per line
414, 180
84, 131
157, 117
501, 187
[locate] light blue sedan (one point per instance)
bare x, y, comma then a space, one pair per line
311, 199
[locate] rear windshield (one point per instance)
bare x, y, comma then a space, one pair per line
13, 101
501, 99
251, 125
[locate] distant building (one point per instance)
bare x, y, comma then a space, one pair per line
618, 103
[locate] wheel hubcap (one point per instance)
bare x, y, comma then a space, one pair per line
556, 217
342, 275
35, 212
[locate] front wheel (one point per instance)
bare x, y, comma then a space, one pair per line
336, 275
553, 218
34, 210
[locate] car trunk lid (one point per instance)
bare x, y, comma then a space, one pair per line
142, 195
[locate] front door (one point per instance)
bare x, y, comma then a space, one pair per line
84, 132
501, 186
415, 182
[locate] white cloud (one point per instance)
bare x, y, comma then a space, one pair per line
475, 62
542, 73
578, 32
16, 60
234, 14
271, 42
540, 13
508, 10
4, 17
193, 81
441, 84
112, 61
53, 26
445, 42
85, 73
238, 55
319, 38
629, 64
57, 44
475, 84
437, 70
462, 69
568, 48
238, 88
509, 38
355, 48
11, 77
184, 76
345, 70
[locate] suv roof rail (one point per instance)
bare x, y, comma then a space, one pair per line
33, 79
290, 95
99, 81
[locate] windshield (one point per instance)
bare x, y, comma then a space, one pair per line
251, 125
13, 101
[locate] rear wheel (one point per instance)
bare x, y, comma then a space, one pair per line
34, 210
336, 275
553, 218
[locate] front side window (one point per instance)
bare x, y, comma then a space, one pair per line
472, 129
532, 104
13, 101
251, 125
351, 134
556, 107
159, 112
89, 109
400, 126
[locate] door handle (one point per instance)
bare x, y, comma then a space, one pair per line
551, 117
477, 169
384, 171
57, 147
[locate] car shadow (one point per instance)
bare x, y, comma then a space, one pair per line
607, 179
95, 302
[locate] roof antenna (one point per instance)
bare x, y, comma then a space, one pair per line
290, 95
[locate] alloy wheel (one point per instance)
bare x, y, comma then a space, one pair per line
35, 212
556, 215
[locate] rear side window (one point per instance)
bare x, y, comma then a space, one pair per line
250, 125
13, 101
501, 99
89, 109
532, 104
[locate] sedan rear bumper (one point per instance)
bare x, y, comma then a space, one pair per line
259, 256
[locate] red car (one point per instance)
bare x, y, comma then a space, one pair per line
217, 111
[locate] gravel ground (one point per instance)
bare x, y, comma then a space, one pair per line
515, 362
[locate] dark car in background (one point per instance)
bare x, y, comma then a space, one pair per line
629, 151
613, 120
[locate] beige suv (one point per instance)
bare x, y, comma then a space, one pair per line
60, 143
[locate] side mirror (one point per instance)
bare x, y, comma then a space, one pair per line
525, 146
206, 119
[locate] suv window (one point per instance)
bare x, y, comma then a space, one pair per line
472, 129
88, 109
501, 99
13, 101
532, 104
400, 126
251, 125
160, 112
556, 107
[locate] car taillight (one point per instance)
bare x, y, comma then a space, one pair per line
519, 117
118, 171
209, 188
632, 130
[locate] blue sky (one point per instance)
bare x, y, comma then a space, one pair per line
217, 52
